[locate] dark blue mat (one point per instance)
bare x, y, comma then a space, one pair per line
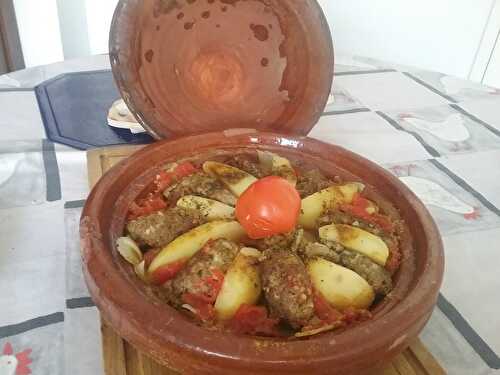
75, 107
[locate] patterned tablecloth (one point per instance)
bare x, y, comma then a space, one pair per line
439, 134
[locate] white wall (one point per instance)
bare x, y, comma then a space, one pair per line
54, 30
442, 35
39, 31
74, 28
99, 14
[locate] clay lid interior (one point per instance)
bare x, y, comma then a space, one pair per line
193, 66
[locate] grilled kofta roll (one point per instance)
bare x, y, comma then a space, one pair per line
287, 287
276, 242
160, 228
247, 164
312, 181
203, 274
199, 184
294, 241
316, 249
377, 276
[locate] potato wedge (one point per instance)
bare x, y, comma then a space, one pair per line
356, 239
209, 208
236, 180
316, 204
277, 165
340, 286
187, 244
241, 284
129, 250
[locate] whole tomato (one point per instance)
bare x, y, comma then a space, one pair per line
269, 206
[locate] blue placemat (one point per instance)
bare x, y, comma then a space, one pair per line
74, 110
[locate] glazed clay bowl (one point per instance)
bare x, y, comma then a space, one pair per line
174, 340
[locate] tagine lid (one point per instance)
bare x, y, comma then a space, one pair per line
193, 66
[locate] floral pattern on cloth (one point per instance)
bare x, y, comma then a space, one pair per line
434, 194
14, 363
451, 129
446, 130
455, 88
453, 205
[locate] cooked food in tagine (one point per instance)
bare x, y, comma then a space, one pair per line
255, 244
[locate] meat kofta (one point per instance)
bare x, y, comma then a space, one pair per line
200, 184
287, 287
247, 164
312, 181
203, 274
160, 228
378, 277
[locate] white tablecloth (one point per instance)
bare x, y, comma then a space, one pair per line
441, 135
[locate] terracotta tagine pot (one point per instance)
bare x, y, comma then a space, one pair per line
226, 76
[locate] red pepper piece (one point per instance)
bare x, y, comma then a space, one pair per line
167, 272
204, 309
184, 169
154, 201
253, 320
146, 206
163, 180
214, 284
324, 310
358, 207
